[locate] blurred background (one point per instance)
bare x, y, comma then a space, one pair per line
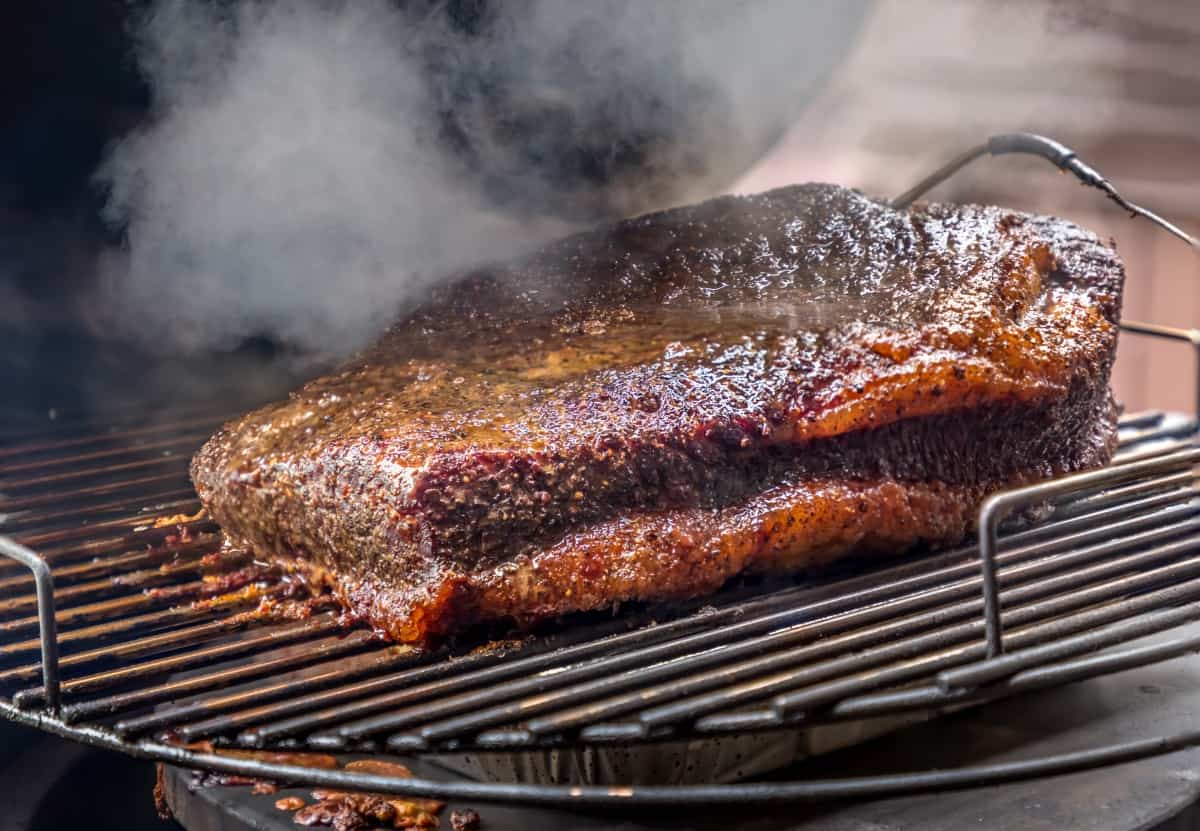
213, 198
1116, 80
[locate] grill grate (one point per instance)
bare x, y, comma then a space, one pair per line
161, 643
156, 635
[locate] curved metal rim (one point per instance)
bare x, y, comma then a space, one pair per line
616, 795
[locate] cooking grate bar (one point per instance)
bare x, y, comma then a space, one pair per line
124, 583
580, 716
880, 600
791, 706
1184, 480
172, 504
1092, 665
11, 506
209, 708
129, 522
151, 645
1155, 619
148, 504
869, 647
141, 624
47, 623
1068, 524
1063, 671
131, 421
133, 604
999, 506
393, 699
259, 694
432, 699
433, 680
814, 646
266, 664
982, 672
43, 481
115, 566
88, 435
156, 644
860, 590
148, 569
1073, 595
269, 637
140, 537
183, 443
932, 696
1138, 428
1141, 419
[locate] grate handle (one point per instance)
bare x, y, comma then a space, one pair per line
999, 506
47, 625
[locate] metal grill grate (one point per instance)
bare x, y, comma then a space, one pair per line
161, 646
158, 638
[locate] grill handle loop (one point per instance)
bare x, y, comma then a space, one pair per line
1000, 506
1061, 156
47, 625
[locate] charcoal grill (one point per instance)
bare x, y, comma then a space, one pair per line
124, 625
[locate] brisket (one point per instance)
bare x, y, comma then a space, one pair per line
643, 411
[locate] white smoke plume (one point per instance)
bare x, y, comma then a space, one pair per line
289, 184
295, 180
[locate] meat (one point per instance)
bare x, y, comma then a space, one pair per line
641, 412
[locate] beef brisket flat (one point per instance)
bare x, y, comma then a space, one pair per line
643, 411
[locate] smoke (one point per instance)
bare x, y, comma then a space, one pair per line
309, 169
290, 184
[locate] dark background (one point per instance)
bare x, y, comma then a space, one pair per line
67, 88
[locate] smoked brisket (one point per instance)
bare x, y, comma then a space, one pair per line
643, 411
